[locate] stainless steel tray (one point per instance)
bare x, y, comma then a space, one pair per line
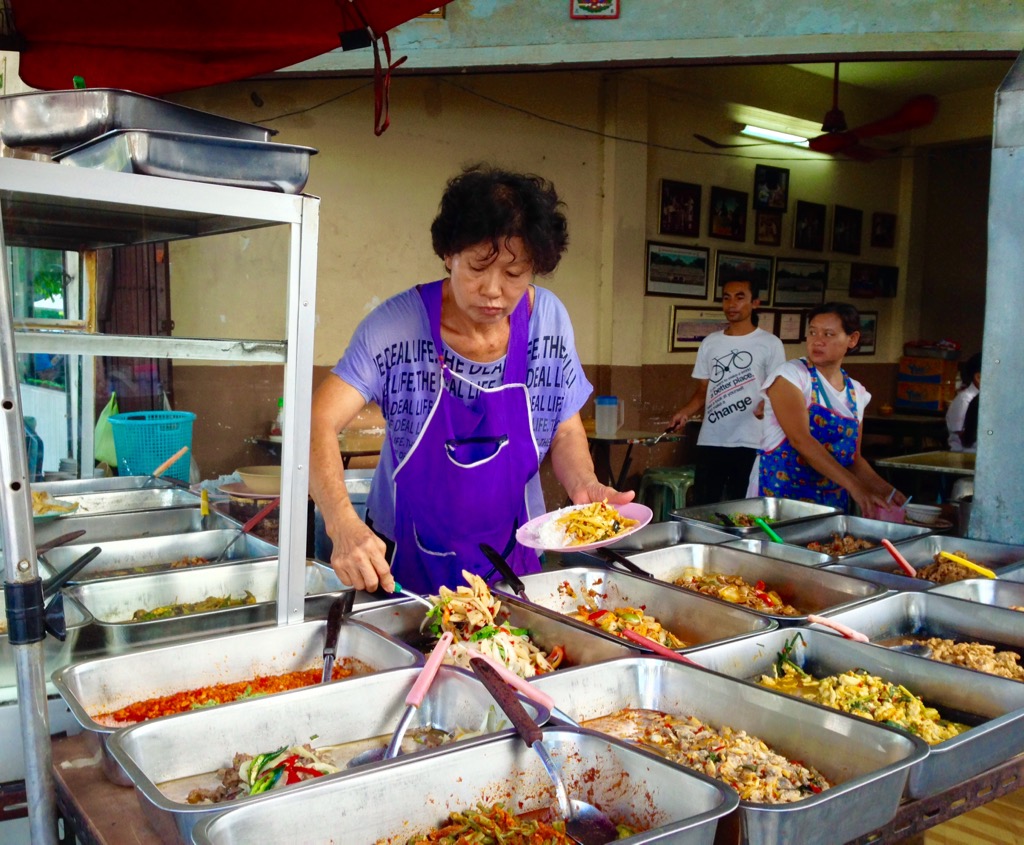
56, 654
166, 758
112, 602
984, 591
780, 512
402, 620
76, 486
419, 794
121, 526
867, 764
125, 501
997, 703
200, 158
864, 529
807, 590
47, 121
894, 582
109, 683
781, 551
152, 554
694, 619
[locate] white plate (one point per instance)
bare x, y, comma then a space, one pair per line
529, 534
237, 490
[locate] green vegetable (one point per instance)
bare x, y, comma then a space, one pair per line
785, 656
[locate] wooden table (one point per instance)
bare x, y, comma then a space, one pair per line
273, 448
908, 432
601, 451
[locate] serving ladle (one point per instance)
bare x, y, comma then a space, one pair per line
584, 823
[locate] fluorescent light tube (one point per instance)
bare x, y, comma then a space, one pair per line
773, 135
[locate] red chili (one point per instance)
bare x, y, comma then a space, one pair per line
597, 614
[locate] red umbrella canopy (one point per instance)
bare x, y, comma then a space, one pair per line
160, 47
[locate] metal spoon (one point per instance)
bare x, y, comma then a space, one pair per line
166, 465
658, 439
583, 822
902, 561
764, 526
339, 609
538, 696
400, 590
915, 649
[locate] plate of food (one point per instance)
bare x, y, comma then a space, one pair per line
45, 507
579, 528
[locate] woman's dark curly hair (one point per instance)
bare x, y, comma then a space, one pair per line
487, 204
848, 315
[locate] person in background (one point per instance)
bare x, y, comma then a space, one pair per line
478, 378
956, 414
810, 447
731, 367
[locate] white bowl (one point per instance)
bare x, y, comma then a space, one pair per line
263, 479
927, 514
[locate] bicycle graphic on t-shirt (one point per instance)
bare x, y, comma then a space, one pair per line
721, 367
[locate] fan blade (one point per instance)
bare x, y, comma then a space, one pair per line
913, 114
704, 139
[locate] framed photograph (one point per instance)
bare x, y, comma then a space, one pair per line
883, 230
771, 188
727, 216
800, 282
868, 334
691, 325
809, 226
736, 266
790, 326
868, 281
767, 319
677, 270
591, 9
767, 228
846, 226
680, 209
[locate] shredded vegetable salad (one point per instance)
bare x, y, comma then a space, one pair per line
733, 588
495, 825
250, 775
476, 619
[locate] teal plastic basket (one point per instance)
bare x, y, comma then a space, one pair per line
145, 439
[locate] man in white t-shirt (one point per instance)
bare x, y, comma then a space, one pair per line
731, 367
956, 416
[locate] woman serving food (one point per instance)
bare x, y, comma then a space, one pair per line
478, 379
810, 443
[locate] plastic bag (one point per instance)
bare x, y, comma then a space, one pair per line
103, 437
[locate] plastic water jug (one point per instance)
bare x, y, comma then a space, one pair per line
609, 414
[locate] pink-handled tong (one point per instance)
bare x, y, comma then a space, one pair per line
419, 691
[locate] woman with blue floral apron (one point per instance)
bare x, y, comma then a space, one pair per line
812, 428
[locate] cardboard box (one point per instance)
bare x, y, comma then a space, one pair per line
934, 370
921, 396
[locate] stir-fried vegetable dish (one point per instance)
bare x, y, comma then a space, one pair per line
618, 619
479, 624
733, 588
979, 656
495, 825
181, 563
734, 757
585, 524
841, 545
184, 608
250, 775
942, 570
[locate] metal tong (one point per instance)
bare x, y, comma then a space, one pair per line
245, 529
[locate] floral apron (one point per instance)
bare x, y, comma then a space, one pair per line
464, 480
783, 471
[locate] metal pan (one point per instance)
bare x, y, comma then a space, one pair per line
112, 602
56, 654
166, 758
77, 486
402, 620
897, 583
125, 501
138, 525
781, 551
47, 121
808, 590
109, 683
778, 512
867, 764
997, 593
995, 703
656, 535
821, 530
156, 554
694, 619
667, 803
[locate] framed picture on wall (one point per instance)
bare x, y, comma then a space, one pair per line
870, 280
809, 226
799, 282
727, 214
883, 230
767, 228
689, 326
771, 188
868, 334
846, 227
790, 325
767, 319
737, 266
590, 9
680, 209
677, 270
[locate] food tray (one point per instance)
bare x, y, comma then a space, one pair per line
344, 719
112, 602
55, 653
692, 618
110, 683
984, 591
921, 551
808, 590
420, 793
47, 121
402, 620
780, 512
138, 525
77, 486
781, 551
864, 529
151, 554
200, 158
867, 764
997, 702
125, 501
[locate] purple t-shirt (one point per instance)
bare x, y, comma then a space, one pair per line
391, 361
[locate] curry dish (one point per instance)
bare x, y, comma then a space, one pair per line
732, 588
